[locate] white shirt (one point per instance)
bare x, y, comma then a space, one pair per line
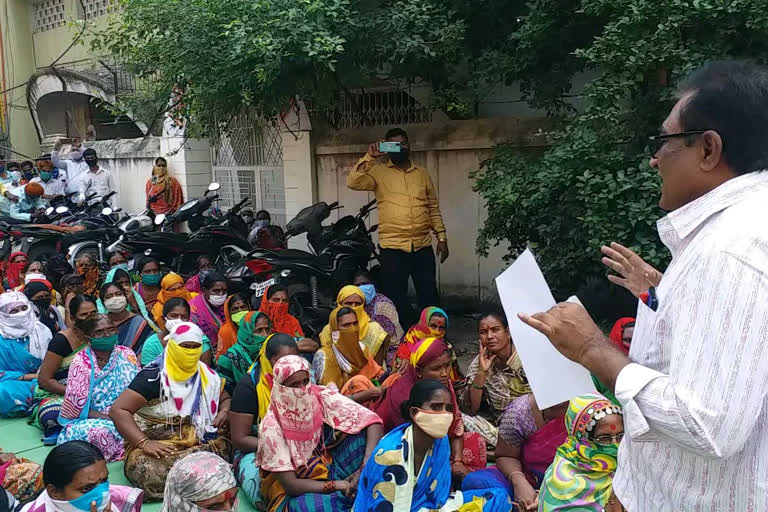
100, 183
54, 186
695, 403
73, 169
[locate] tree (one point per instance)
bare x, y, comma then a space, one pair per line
594, 184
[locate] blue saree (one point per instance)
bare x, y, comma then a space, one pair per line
15, 362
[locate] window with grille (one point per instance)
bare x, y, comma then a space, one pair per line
249, 139
96, 8
359, 109
49, 14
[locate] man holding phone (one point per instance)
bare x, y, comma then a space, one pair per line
408, 215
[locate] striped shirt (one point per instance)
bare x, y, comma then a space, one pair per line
695, 398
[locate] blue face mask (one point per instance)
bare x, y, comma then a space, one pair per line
105, 344
369, 291
99, 494
121, 266
151, 279
45, 176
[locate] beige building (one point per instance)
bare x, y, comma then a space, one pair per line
283, 164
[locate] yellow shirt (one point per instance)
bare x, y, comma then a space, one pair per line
407, 202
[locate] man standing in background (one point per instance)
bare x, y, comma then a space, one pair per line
408, 215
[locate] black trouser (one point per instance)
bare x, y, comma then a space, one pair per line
396, 267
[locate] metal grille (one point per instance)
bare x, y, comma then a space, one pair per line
249, 139
236, 184
49, 14
376, 108
96, 8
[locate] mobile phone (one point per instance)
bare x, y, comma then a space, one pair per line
389, 147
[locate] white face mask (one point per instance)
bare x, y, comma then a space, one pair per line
116, 304
172, 323
32, 276
217, 300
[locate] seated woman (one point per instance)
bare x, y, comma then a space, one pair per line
13, 269
172, 286
433, 323
381, 310
175, 311
250, 403
23, 343
235, 308
173, 407
373, 337
431, 360
132, 329
304, 462
39, 294
135, 302
200, 481
149, 286
208, 306
204, 264
275, 303
343, 361
235, 363
495, 377
54, 370
528, 441
20, 478
87, 266
98, 375
410, 469
71, 286
581, 476
116, 259
75, 476
33, 270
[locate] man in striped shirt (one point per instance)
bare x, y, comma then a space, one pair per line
695, 385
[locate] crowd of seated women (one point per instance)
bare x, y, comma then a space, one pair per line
179, 384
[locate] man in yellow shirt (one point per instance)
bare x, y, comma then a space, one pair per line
408, 215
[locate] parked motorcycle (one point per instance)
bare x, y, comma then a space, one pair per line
312, 278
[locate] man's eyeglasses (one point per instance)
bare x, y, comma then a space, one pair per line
608, 440
655, 142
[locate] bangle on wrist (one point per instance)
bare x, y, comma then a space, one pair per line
329, 486
509, 477
141, 443
475, 386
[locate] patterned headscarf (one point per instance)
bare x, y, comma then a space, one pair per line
419, 332
294, 423
581, 475
197, 477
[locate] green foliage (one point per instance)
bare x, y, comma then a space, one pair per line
594, 185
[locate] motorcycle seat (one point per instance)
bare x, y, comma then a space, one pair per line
295, 254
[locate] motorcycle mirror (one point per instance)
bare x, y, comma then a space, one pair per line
148, 252
62, 209
106, 211
49, 210
213, 187
159, 219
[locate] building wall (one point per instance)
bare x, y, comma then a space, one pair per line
449, 150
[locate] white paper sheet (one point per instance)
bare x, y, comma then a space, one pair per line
553, 378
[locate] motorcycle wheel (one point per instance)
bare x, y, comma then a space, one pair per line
41, 251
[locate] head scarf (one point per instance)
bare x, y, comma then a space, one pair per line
188, 387
90, 278
293, 425
164, 295
617, 331
112, 276
162, 180
197, 477
228, 330
362, 317
13, 270
261, 376
46, 315
370, 334
23, 324
34, 190
388, 406
581, 475
283, 322
421, 330
247, 338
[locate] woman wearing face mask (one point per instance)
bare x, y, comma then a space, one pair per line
345, 361
33, 270
304, 460
76, 479
432, 360
200, 482
135, 302
171, 286
235, 308
87, 266
132, 329
495, 377
54, 370
39, 294
98, 375
23, 343
235, 363
381, 310
149, 286
275, 303
117, 259
581, 476
203, 264
418, 452
175, 311
372, 336
208, 307
173, 407
250, 403
164, 189
12, 271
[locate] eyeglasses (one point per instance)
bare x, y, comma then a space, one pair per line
656, 142
608, 440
